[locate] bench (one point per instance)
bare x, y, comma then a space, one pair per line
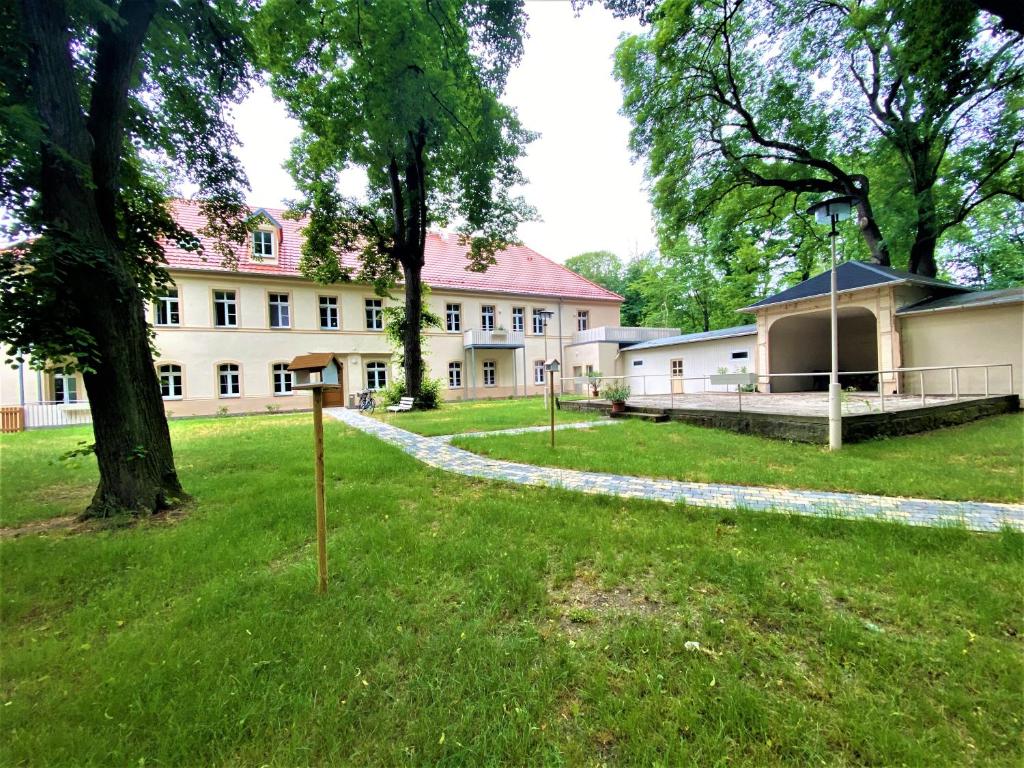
405, 404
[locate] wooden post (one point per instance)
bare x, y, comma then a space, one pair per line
321, 513
551, 387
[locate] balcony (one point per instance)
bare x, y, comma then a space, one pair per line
496, 339
623, 335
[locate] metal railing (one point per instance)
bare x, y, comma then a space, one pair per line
918, 381
623, 335
495, 338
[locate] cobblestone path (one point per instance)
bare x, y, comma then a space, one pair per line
974, 515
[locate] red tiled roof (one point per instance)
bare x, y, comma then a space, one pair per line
518, 269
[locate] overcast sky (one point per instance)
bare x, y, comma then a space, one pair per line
589, 194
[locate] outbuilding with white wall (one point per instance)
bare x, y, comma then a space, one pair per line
681, 364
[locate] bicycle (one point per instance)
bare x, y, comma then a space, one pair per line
366, 401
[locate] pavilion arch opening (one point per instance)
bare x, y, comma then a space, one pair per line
801, 344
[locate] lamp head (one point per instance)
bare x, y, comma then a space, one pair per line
835, 208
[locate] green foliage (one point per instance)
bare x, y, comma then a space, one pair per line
601, 267
395, 324
617, 393
193, 59
430, 393
921, 118
407, 92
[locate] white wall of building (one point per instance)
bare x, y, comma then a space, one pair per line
648, 370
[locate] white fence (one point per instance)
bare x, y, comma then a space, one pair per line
55, 414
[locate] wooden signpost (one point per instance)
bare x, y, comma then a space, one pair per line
317, 372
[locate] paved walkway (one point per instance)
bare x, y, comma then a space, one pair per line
524, 430
977, 516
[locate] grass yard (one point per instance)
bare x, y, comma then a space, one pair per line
480, 416
982, 461
473, 623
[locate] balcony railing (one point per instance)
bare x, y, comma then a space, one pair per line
623, 335
496, 339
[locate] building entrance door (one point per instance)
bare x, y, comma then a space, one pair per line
335, 398
676, 369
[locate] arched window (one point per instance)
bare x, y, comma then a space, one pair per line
229, 380
170, 381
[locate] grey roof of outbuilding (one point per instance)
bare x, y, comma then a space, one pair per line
972, 300
690, 338
851, 275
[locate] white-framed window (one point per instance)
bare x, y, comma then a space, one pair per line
65, 387
739, 355
263, 244
229, 380
453, 317
538, 371
225, 309
677, 368
170, 381
280, 310
168, 308
582, 319
282, 379
454, 375
487, 317
637, 363
490, 373
538, 321
519, 319
376, 375
329, 319
374, 314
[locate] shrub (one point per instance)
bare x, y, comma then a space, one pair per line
430, 393
617, 393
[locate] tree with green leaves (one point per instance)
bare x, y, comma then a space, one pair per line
803, 98
101, 105
601, 267
407, 91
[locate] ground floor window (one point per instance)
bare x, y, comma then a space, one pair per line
65, 387
170, 381
282, 379
376, 375
538, 371
229, 379
454, 375
490, 373
677, 369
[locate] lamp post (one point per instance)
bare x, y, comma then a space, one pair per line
831, 212
545, 315
552, 367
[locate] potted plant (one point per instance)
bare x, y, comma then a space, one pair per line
617, 394
595, 382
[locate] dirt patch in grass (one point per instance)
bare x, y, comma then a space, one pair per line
71, 524
583, 604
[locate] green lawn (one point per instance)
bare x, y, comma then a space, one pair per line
473, 623
480, 416
983, 460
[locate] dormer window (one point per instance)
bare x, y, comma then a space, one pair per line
263, 244
266, 233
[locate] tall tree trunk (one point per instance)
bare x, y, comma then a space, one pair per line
922, 252
413, 352
100, 295
133, 443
